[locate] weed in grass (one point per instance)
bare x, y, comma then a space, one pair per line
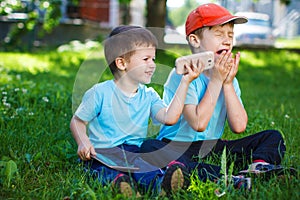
8, 172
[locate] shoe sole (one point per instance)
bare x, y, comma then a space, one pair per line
176, 178
124, 187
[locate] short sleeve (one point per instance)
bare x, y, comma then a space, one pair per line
89, 107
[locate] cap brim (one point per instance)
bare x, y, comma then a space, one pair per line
226, 19
240, 19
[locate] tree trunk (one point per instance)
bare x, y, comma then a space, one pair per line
156, 13
156, 18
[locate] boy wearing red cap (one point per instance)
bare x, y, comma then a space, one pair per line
213, 98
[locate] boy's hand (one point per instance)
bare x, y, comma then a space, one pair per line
234, 68
223, 66
193, 71
85, 151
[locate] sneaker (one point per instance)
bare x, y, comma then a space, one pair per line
267, 169
125, 185
262, 167
241, 182
176, 177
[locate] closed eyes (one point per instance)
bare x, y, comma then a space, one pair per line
147, 59
222, 34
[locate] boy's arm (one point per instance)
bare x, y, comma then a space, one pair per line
198, 116
236, 113
85, 148
171, 114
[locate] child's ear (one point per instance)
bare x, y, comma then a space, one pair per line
120, 63
194, 40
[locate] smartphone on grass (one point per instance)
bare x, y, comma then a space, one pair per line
207, 58
114, 163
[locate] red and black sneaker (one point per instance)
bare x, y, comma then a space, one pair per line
125, 185
176, 177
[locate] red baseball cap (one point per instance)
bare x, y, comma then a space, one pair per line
210, 15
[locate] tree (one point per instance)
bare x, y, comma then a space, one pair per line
125, 11
156, 17
286, 2
46, 12
156, 13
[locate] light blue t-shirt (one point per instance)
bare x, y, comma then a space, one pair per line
182, 131
115, 118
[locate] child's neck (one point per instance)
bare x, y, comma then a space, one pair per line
128, 88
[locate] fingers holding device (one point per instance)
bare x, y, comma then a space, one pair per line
204, 58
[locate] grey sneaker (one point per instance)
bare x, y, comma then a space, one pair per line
267, 170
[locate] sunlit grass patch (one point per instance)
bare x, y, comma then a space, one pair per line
288, 43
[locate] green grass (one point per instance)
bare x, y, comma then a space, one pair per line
38, 154
288, 43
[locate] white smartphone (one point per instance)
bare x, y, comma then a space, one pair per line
207, 58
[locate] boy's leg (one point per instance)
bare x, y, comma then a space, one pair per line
266, 146
183, 152
103, 174
121, 182
149, 177
153, 179
160, 153
205, 171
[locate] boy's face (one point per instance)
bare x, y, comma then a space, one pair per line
141, 66
217, 39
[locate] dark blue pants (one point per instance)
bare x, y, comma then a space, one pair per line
266, 145
148, 177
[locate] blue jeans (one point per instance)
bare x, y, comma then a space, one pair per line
148, 177
266, 145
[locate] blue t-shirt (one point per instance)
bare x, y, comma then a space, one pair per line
182, 131
115, 118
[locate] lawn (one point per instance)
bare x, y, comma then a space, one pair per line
39, 92
288, 43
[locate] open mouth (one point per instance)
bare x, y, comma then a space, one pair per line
221, 50
149, 73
